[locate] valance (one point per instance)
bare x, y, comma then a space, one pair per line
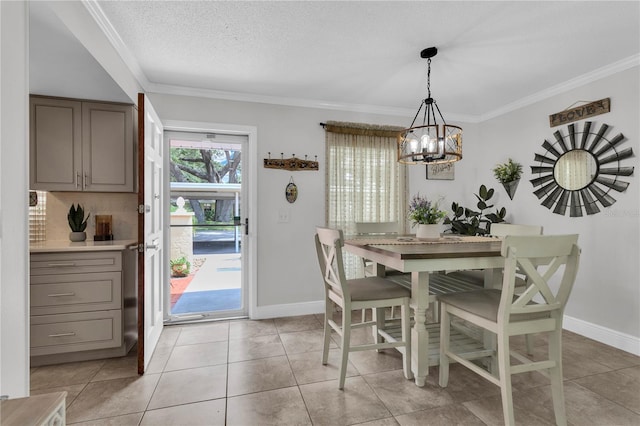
362, 129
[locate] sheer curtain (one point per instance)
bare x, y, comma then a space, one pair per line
365, 183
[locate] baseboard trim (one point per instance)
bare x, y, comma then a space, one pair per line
596, 332
288, 310
605, 335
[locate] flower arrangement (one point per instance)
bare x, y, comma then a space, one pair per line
425, 212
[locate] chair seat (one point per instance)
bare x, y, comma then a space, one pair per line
375, 288
485, 304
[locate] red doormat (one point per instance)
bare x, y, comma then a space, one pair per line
178, 286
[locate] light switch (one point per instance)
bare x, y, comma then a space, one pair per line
283, 215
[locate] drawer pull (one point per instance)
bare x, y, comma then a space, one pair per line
61, 294
62, 334
62, 264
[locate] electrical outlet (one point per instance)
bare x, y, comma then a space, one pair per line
283, 215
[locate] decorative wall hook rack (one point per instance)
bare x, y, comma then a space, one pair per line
292, 163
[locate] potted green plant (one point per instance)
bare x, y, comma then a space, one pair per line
180, 267
427, 215
466, 221
77, 223
508, 174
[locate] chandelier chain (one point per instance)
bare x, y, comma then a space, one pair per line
429, 78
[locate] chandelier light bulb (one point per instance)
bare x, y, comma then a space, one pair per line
413, 144
425, 142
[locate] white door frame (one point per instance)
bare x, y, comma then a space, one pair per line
249, 175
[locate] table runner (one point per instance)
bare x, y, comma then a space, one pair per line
413, 240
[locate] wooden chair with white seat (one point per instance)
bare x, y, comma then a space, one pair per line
361, 293
538, 309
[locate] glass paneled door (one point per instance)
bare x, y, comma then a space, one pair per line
206, 227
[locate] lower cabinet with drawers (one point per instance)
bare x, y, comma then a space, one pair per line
79, 306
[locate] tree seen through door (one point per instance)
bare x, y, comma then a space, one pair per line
207, 165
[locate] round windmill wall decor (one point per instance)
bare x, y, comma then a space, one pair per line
580, 169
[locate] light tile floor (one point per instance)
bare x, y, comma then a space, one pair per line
269, 372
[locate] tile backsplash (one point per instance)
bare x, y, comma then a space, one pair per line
122, 207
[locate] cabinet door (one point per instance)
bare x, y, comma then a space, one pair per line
107, 152
55, 144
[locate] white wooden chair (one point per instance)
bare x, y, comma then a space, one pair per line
476, 276
537, 309
377, 229
361, 293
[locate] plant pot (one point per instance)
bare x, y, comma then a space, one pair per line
179, 270
511, 187
77, 236
428, 232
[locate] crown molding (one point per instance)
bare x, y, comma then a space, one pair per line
590, 77
116, 41
114, 38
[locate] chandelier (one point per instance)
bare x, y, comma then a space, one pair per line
429, 142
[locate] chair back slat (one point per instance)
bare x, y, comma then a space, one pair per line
542, 259
377, 227
329, 243
504, 229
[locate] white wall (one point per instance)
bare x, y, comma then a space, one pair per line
14, 235
287, 265
607, 290
605, 301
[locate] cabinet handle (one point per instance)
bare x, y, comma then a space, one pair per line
62, 334
77, 179
84, 180
62, 264
60, 294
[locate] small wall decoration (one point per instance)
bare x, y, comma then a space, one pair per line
570, 115
291, 191
441, 171
580, 170
293, 163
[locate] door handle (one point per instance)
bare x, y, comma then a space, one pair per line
155, 244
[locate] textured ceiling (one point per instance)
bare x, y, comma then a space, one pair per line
365, 55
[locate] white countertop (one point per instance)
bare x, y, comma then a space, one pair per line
68, 246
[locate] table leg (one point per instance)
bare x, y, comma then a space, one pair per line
419, 332
377, 315
492, 280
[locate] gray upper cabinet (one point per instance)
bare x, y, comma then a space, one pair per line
81, 146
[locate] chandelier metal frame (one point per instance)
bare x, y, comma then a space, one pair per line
429, 142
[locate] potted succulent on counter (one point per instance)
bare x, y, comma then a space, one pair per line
77, 223
509, 176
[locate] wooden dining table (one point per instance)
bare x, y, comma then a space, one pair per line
422, 259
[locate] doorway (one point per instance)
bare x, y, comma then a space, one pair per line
206, 203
